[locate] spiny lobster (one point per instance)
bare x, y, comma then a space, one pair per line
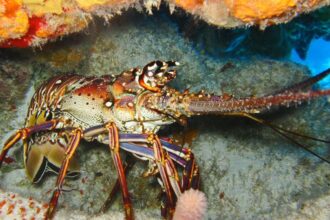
125, 112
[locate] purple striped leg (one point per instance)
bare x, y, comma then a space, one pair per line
114, 147
167, 172
77, 133
183, 156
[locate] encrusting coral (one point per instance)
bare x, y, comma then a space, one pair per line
25, 23
13, 206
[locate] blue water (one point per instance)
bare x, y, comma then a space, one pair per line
317, 59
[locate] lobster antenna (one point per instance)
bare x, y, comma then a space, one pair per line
282, 131
304, 84
293, 132
299, 144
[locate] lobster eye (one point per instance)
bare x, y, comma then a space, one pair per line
48, 115
108, 104
157, 74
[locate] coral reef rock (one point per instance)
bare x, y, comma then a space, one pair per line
25, 23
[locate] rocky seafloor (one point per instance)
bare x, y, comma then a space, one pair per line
247, 170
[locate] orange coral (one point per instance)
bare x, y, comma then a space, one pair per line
189, 4
46, 20
313, 2
256, 10
13, 20
61, 25
10, 7
26, 23
89, 5
41, 7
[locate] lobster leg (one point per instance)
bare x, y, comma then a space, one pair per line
175, 152
167, 172
77, 134
190, 177
129, 163
172, 173
114, 147
131, 143
164, 153
183, 156
23, 134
